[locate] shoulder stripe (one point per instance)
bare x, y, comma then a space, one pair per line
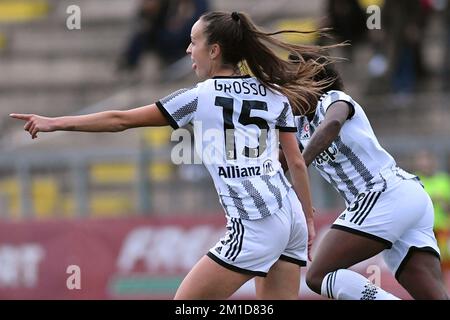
173, 95
335, 96
281, 120
185, 110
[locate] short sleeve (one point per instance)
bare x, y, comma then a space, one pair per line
179, 107
335, 96
285, 121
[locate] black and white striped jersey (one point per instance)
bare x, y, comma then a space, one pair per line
355, 162
235, 122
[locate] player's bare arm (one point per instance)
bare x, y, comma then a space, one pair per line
327, 131
300, 180
106, 121
282, 160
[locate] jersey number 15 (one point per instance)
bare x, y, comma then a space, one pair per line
245, 119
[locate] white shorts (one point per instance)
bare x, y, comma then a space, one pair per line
253, 246
402, 217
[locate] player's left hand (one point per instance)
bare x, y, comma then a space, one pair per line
311, 235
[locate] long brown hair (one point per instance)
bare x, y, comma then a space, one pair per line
241, 41
328, 75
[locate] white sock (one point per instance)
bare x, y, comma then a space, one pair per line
345, 284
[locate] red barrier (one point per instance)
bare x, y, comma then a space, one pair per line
139, 258
116, 258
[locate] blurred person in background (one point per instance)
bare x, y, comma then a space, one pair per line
347, 21
437, 184
269, 230
163, 26
400, 42
150, 16
446, 82
387, 208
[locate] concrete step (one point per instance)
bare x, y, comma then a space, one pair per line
116, 10
71, 72
60, 70
20, 11
94, 10
106, 40
13, 137
106, 32
50, 102
395, 115
264, 10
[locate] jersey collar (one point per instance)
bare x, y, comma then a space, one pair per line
232, 77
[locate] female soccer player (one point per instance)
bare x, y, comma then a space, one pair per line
269, 231
387, 208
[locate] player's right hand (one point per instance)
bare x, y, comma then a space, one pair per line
34, 123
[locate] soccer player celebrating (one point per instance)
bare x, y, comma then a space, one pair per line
269, 231
387, 208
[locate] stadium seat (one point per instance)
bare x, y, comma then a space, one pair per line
106, 173
365, 3
156, 137
110, 204
2, 41
45, 197
305, 24
22, 10
9, 189
160, 171
68, 206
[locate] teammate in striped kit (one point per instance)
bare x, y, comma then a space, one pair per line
387, 208
236, 119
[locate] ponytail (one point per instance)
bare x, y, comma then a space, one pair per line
242, 42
